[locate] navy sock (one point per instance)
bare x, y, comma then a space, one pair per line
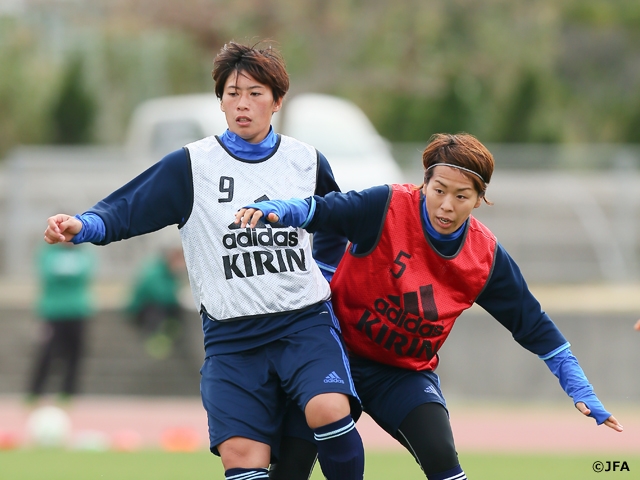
456, 473
246, 474
340, 450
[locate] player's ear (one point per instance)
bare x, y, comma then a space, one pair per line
277, 104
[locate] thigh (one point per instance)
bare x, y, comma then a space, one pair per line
312, 362
242, 398
389, 393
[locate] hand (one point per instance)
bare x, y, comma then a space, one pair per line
610, 422
251, 216
637, 325
61, 228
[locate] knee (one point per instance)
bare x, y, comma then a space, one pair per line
240, 452
326, 408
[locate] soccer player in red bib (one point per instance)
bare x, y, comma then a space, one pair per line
417, 259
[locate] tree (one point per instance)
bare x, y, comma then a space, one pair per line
74, 111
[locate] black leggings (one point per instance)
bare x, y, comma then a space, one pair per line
425, 432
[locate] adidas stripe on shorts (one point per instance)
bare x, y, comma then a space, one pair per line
245, 393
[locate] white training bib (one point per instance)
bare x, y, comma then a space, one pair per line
237, 273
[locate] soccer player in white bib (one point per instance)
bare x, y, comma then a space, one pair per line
269, 330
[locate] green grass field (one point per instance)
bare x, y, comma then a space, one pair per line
157, 465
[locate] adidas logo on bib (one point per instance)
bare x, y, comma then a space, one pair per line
333, 378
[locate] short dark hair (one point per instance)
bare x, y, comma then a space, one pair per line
265, 65
463, 150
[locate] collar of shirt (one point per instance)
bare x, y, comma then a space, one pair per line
249, 151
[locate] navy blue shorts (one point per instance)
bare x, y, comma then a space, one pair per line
245, 394
389, 394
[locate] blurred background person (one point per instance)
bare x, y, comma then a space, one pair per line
65, 304
154, 305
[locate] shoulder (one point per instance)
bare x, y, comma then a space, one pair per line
177, 157
477, 226
406, 192
287, 140
174, 165
380, 192
293, 143
406, 187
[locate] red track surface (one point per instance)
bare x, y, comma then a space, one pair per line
530, 428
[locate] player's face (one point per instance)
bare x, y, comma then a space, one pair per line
451, 197
248, 106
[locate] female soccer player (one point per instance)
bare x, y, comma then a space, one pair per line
418, 259
269, 329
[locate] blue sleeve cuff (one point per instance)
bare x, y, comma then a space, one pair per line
574, 382
555, 352
294, 212
93, 229
312, 209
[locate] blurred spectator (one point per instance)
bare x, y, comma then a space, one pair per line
637, 325
64, 305
154, 305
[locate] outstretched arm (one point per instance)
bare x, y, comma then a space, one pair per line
574, 382
508, 299
357, 215
132, 209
